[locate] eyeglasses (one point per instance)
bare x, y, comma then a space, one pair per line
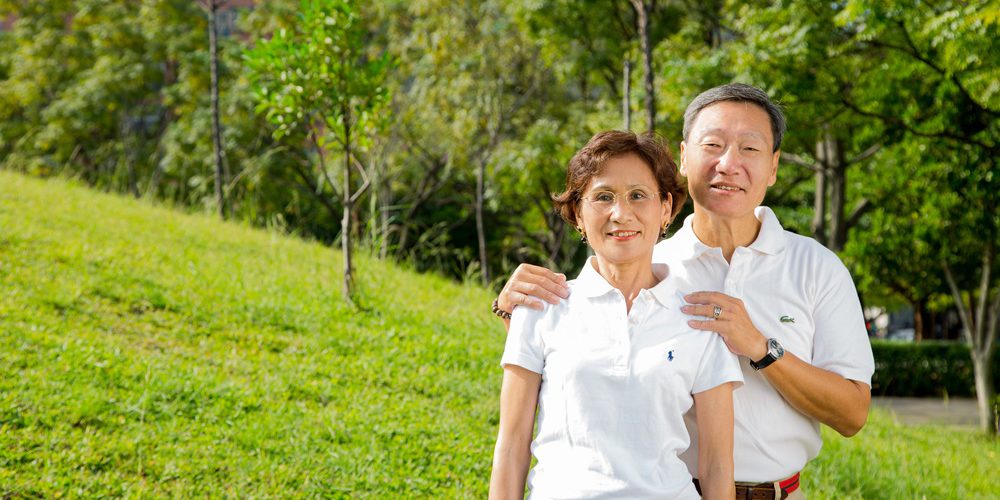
636, 199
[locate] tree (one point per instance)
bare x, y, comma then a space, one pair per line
318, 82
212, 7
642, 11
937, 87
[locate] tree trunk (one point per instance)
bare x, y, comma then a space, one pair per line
642, 20
627, 96
385, 206
819, 199
838, 186
480, 230
982, 364
345, 237
979, 320
220, 179
919, 310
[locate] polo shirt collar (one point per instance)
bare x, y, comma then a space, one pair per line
664, 292
591, 284
770, 240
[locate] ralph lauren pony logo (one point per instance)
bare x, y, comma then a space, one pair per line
670, 355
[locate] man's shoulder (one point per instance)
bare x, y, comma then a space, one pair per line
806, 255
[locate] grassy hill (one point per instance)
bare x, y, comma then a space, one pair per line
146, 352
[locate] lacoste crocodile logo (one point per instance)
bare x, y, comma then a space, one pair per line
787, 319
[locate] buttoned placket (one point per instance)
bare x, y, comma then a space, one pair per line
620, 331
627, 324
738, 266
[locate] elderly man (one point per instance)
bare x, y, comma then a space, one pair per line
782, 302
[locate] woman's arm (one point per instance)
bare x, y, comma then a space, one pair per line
714, 410
518, 399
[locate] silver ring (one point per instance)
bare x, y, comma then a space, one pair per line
716, 312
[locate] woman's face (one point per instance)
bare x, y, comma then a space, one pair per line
622, 211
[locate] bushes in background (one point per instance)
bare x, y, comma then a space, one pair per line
925, 369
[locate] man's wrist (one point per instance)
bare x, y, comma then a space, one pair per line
760, 349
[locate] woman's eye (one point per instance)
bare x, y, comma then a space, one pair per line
639, 195
604, 197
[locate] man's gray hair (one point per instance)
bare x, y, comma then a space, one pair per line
737, 92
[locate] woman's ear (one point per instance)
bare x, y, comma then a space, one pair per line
668, 209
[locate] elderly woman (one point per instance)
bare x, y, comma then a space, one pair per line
613, 369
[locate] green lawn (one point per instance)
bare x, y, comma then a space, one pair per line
145, 352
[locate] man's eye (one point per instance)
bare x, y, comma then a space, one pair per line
751, 149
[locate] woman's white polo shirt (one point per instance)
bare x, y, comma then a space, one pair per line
615, 387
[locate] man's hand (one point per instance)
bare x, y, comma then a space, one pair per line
529, 285
733, 323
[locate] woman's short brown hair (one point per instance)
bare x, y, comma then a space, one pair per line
590, 159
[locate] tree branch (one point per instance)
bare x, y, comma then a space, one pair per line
860, 209
984, 296
800, 161
909, 128
963, 312
864, 155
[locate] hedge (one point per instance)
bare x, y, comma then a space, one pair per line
928, 368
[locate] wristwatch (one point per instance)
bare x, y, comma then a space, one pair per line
774, 353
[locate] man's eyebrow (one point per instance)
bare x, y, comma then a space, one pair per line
721, 131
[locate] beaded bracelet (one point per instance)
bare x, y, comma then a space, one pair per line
499, 312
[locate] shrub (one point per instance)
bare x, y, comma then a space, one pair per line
930, 368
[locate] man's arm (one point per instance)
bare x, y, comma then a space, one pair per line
834, 400
530, 285
714, 413
512, 455
821, 394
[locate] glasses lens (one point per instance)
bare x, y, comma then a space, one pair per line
606, 200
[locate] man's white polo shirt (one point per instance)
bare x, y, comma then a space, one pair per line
615, 387
797, 291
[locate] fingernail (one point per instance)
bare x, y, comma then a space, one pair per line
561, 276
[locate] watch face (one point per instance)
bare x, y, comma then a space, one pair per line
774, 348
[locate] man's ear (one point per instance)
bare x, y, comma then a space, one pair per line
683, 166
775, 160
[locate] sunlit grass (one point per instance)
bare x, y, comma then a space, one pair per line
144, 352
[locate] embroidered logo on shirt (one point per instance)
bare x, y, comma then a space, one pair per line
670, 355
787, 319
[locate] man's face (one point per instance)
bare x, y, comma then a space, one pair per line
727, 159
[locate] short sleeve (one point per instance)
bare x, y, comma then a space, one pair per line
524, 345
718, 366
840, 343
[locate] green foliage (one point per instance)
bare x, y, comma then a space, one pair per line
158, 354
319, 74
889, 460
924, 369
153, 354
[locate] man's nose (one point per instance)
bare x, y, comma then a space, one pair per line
728, 161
